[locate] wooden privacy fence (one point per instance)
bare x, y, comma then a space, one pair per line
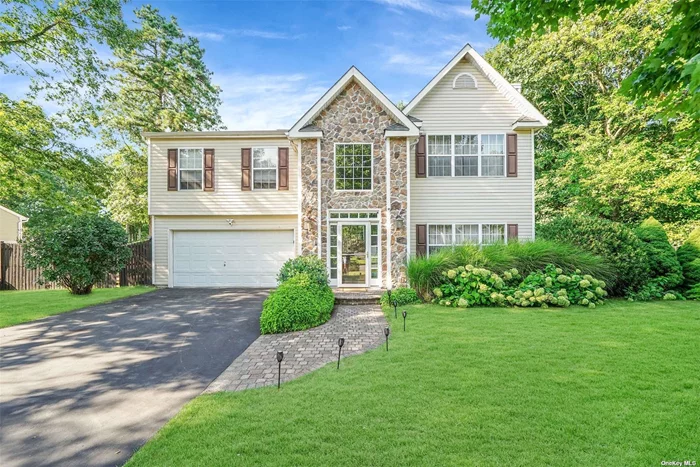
14, 276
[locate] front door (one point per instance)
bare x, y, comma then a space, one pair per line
353, 255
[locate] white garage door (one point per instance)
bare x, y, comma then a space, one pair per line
229, 258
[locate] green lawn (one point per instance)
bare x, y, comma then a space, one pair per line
27, 305
618, 385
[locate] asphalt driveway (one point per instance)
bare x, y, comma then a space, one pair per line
91, 386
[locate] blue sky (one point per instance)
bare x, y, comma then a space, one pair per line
273, 60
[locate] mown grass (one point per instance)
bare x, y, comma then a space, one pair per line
21, 306
618, 385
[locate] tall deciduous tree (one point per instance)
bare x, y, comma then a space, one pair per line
55, 45
161, 84
602, 155
669, 74
39, 168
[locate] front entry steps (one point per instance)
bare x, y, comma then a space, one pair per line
357, 296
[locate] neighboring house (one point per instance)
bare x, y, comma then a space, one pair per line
11, 225
355, 181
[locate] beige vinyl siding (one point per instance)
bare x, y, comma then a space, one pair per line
227, 199
162, 225
448, 200
9, 226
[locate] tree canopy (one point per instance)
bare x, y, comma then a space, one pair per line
603, 155
668, 74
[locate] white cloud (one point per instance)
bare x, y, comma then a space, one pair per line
265, 101
438, 9
423, 65
262, 34
212, 36
344, 28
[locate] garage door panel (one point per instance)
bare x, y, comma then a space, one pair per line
230, 258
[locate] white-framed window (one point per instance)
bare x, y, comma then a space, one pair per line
439, 236
353, 166
440, 155
493, 233
466, 233
493, 155
467, 155
190, 168
449, 235
265, 168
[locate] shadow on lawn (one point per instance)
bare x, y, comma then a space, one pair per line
89, 387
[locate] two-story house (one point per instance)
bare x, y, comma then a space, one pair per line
356, 181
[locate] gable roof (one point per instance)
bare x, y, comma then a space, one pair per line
304, 128
21, 217
504, 87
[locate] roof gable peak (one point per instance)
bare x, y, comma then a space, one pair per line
503, 86
300, 128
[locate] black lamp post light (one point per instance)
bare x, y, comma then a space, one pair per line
388, 293
341, 341
395, 303
404, 319
386, 334
280, 357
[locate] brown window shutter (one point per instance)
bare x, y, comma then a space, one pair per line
283, 168
512, 154
421, 239
172, 169
245, 168
512, 232
208, 170
420, 157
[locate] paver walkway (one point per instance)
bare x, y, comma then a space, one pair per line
362, 326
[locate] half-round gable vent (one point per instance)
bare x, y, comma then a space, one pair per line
464, 81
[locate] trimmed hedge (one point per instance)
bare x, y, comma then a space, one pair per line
402, 295
613, 241
313, 266
298, 303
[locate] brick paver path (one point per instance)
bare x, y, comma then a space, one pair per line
362, 326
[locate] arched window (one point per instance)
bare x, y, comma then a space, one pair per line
464, 81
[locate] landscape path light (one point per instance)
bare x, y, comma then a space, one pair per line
341, 341
395, 303
280, 357
404, 319
386, 334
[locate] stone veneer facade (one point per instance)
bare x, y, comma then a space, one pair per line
354, 116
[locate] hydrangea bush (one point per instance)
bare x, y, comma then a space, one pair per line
471, 286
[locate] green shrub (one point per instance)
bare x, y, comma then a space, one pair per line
688, 255
469, 286
694, 292
298, 303
313, 266
402, 295
426, 273
613, 241
665, 270
76, 250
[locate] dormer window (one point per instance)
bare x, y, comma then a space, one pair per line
464, 81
